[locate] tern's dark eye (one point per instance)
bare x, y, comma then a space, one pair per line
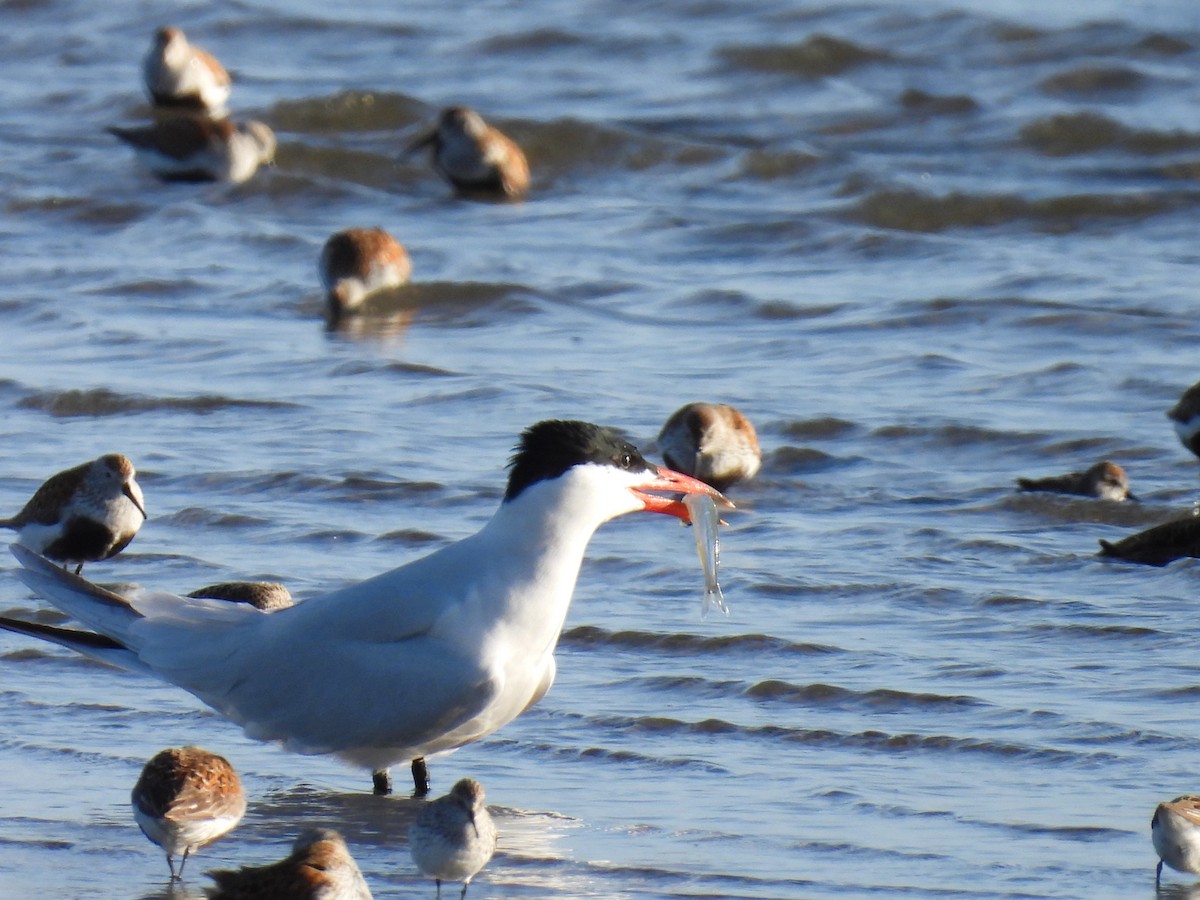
625, 459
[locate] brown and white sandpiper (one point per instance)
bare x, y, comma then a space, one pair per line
83, 514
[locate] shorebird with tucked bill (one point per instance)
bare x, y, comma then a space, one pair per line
358, 262
180, 74
1175, 832
475, 157
453, 837
266, 596
714, 442
197, 148
319, 867
185, 799
417, 661
1104, 481
83, 514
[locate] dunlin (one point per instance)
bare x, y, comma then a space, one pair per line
320, 867
711, 441
358, 262
1105, 480
1159, 544
265, 595
435, 654
1185, 416
453, 837
180, 74
185, 799
196, 148
1175, 831
475, 157
84, 514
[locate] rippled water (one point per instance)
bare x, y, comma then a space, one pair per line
926, 248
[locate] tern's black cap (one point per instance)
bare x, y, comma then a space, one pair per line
549, 448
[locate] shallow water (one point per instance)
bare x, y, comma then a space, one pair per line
926, 250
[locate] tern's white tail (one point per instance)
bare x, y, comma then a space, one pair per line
106, 612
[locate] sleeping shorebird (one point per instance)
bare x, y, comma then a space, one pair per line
475, 157
1175, 832
267, 596
180, 74
196, 148
1105, 481
84, 514
453, 837
319, 867
417, 661
711, 441
185, 799
359, 262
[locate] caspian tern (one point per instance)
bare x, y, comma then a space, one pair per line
416, 661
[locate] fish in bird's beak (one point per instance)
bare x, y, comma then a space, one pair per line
677, 483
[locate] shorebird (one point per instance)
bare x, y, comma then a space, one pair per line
1105, 481
267, 596
1185, 416
711, 441
320, 867
475, 157
419, 660
84, 514
180, 74
1160, 544
185, 799
359, 262
196, 148
453, 837
1175, 832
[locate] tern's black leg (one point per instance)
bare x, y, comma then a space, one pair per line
1158, 875
381, 781
420, 774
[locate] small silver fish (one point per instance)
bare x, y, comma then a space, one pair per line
705, 522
